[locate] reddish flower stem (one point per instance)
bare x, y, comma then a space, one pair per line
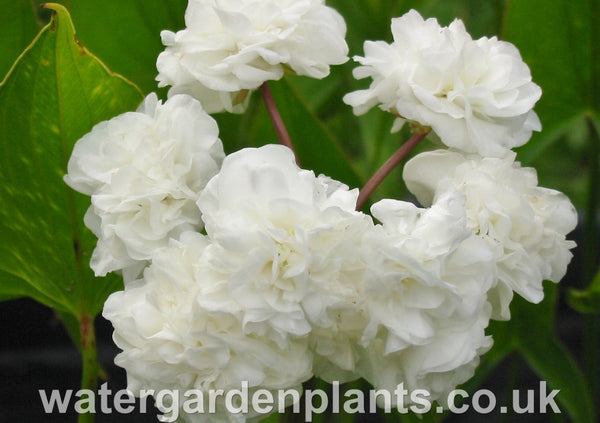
278, 124
387, 167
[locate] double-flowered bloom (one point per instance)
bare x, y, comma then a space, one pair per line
476, 95
230, 47
524, 225
144, 171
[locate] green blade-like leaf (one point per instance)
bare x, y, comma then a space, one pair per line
533, 326
553, 363
54, 94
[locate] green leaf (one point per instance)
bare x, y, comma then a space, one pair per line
532, 324
554, 364
13, 287
55, 92
126, 34
586, 301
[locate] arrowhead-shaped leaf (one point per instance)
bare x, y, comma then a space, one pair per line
55, 92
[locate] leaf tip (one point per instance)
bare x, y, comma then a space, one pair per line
52, 6
58, 9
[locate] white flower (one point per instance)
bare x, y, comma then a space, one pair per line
426, 297
477, 95
336, 347
231, 46
523, 224
438, 366
287, 241
169, 341
144, 171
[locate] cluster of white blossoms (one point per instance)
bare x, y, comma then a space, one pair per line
230, 47
477, 96
171, 340
246, 268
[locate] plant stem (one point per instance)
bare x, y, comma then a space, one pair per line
89, 376
388, 166
278, 124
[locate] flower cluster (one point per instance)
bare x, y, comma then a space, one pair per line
477, 96
248, 268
